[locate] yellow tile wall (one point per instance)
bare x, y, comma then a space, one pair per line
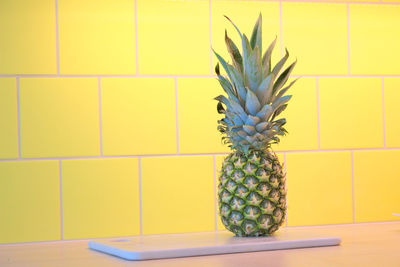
376, 184
29, 201
59, 117
96, 92
28, 37
138, 116
310, 202
100, 198
97, 37
8, 118
177, 194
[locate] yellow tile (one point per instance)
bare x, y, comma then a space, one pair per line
177, 195
218, 166
392, 111
59, 117
301, 116
391, 1
244, 14
350, 113
138, 116
197, 111
29, 201
100, 198
319, 188
28, 37
8, 119
374, 39
173, 37
376, 185
97, 37
316, 34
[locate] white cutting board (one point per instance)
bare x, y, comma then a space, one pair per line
211, 243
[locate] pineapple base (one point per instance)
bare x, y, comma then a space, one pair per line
252, 193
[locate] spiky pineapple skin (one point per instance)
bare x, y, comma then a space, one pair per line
252, 193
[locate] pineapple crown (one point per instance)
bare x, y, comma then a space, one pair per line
255, 93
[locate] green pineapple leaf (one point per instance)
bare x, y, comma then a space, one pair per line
256, 36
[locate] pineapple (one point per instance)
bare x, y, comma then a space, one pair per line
252, 188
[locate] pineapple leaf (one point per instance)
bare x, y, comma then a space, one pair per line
265, 89
227, 86
217, 69
251, 120
233, 76
279, 111
280, 102
283, 91
266, 60
249, 129
252, 103
265, 112
252, 71
245, 43
237, 109
223, 99
261, 126
280, 64
220, 108
237, 80
234, 53
256, 36
283, 77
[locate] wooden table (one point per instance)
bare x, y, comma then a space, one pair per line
369, 244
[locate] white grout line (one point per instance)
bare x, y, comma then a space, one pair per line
215, 196
100, 119
61, 201
211, 52
18, 119
199, 154
383, 112
140, 197
186, 76
331, 2
57, 40
348, 38
176, 116
110, 76
318, 117
352, 186
285, 170
281, 26
136, 40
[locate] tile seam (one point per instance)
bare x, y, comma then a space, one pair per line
176, 115
57, 40
281, 26
285, 170
211, 53
18, 119
330, 2
200, 155
140, 197
136, 40
61, 201
215, 195
183, 76
100, 119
